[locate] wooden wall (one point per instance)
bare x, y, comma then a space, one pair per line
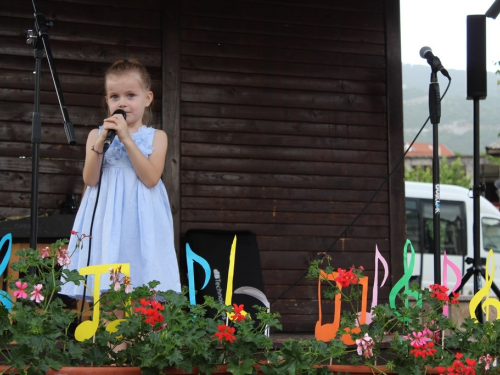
284, 130
284, 117
86, 38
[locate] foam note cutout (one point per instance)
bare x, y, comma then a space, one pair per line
192, 257
326, 332
402, 283
448, 263
484, 292
88, 328
378, 257
4, 296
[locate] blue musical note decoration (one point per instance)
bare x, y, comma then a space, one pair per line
192, 257
4, 296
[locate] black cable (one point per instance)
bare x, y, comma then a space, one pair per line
371, 199
90, 233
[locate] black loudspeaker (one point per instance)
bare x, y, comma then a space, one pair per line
476, 57
214, 246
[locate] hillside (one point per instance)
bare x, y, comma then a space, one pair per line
456, 126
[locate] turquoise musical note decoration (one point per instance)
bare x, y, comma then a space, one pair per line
4, 296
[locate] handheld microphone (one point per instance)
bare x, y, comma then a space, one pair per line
112, 133
434, 62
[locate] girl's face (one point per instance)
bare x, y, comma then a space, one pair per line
126, 92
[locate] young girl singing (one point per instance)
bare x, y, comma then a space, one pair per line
133, 222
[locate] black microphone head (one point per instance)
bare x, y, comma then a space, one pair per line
424, 51
120, 112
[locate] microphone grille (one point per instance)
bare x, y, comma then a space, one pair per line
424, 50
120, 112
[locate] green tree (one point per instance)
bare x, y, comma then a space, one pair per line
452, 174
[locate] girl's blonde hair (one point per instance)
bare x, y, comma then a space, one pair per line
132, 65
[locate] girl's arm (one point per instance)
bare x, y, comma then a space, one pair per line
93, 159
149, 169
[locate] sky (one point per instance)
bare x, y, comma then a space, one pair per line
441, 25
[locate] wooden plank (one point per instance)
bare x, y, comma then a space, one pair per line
90, 14
258, 216
91, 69
354, 169
282, 127
281, 180
282, 98
330, 32
282, 153
48, 183
12, 213
50, 97
287, 192
352, 5
282, 82
288, 68
13, 131
306, 45
75, 32
329, 143
281, 205
276, 13
284, 56
322, 244
51, 114
171, 113
300, 230
46, 150
92, 52
133, 4
45, 165
70, 83
23, 199
282, 114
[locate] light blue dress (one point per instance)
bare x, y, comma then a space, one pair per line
133, 224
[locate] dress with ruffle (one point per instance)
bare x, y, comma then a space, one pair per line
133, 224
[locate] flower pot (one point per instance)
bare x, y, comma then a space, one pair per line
221, 370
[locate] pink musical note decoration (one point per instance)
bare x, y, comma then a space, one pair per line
378, 257
448, 263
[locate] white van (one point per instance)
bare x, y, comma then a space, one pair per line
457, 217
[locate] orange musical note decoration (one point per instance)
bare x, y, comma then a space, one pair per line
88, 328
484, 292
328, 331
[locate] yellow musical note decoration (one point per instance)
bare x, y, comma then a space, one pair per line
484, 292
328, 331
88, 328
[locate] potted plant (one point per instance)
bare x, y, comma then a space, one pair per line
144, 331
409, 337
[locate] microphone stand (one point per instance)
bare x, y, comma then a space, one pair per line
39, 38
435, 116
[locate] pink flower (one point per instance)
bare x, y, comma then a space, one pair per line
44, 253
63, 258
365, 346
117, 286
490, 361
73, 232
20, 293
36, 295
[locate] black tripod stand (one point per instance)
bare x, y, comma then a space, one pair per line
473, 271
476, 90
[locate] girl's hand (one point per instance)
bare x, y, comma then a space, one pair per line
117, 123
